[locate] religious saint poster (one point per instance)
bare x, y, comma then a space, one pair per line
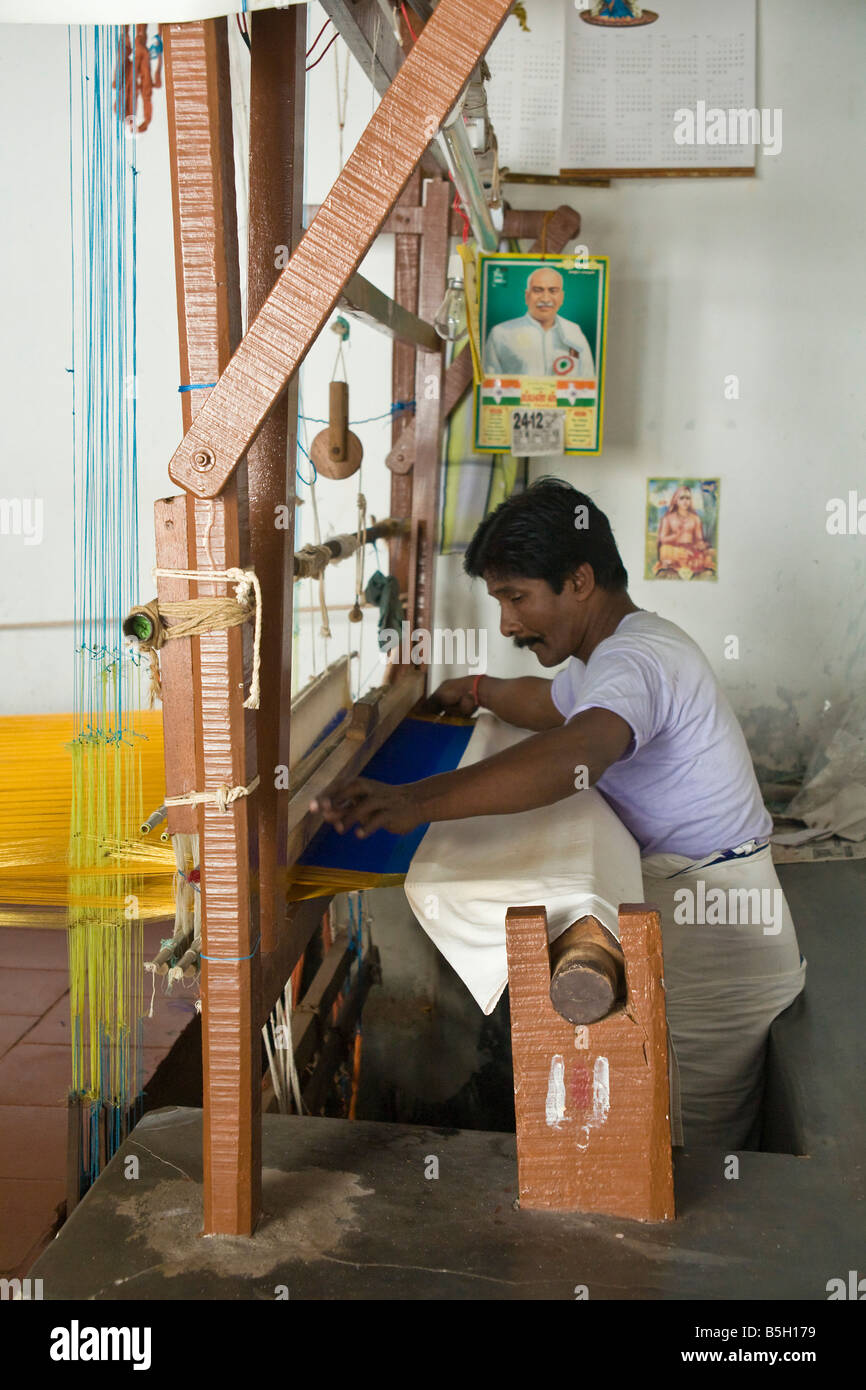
617, 13
541, 329
682, 528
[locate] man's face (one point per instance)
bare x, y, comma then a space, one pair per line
684, 503
544, 296
533, 616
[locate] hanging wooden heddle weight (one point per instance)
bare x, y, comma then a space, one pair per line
336, 451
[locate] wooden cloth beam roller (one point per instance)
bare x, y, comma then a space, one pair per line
591, 1101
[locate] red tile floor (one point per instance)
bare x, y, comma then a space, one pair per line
35, 1074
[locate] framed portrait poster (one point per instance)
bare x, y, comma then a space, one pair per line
541, 330
682, 528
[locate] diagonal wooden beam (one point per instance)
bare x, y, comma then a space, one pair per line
562, 226
420, 97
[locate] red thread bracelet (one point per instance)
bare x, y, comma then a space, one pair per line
475, 689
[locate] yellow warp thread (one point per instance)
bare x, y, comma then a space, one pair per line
121, 783
309, 881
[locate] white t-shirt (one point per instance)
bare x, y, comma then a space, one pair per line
686, 784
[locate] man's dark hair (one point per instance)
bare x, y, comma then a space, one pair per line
546, 532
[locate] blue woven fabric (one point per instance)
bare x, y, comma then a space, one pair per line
417, 748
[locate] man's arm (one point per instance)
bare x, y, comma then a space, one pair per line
536, 772
525, 701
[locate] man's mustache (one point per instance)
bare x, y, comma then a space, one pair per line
525, 641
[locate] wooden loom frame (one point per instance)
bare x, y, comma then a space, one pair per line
236, 464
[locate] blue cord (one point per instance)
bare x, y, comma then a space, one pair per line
234, 960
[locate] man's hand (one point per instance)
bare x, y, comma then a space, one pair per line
369, 805
453, 697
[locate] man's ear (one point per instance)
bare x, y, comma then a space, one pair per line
583, 580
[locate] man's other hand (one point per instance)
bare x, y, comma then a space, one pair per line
453, 697
370, 806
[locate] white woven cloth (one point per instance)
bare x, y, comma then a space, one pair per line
575, 857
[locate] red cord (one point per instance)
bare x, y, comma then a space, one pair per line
318, 36
310, 66
458, 207
408, 23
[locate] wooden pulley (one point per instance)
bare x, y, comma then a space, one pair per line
336, 451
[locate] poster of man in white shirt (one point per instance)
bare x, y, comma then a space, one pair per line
540, 353
535, 343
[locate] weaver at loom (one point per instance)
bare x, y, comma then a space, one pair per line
638, 715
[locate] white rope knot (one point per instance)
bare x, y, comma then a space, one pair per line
226, 796
222, 797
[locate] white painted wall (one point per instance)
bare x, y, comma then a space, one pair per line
759, 277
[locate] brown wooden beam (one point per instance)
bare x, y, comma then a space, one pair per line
338, 1039
180, 669
310, 1017
198, 102
367, 303
380, 530
407, 261
303, 919
429, 418
276, 175
331, 250
521, 224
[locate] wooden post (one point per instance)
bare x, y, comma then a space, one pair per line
592, 1105
198, 101
428, 408
407, 260
277, 91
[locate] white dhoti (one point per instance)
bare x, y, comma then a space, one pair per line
725, 980
729, 971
